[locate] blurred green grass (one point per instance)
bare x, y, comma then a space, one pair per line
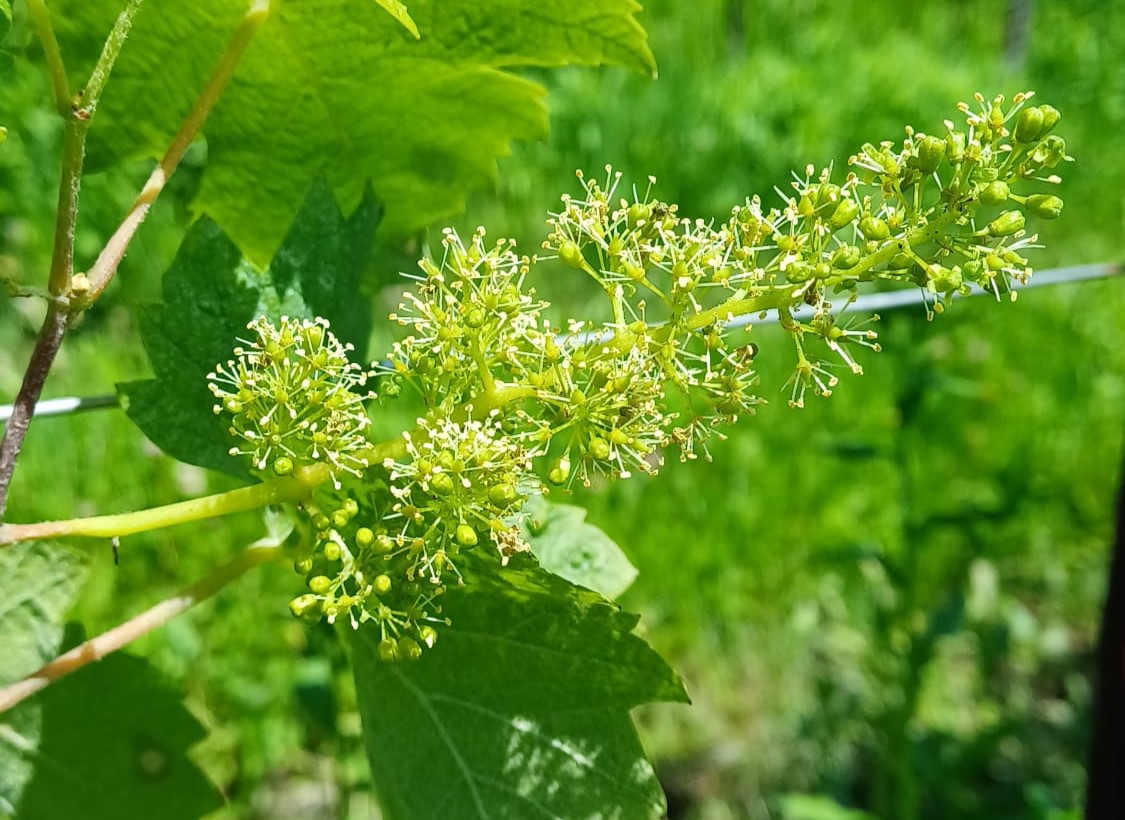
790, 579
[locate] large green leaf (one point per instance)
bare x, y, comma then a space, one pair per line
567, 545
521, 710
337, 88
38, 582
211, 293
114, 747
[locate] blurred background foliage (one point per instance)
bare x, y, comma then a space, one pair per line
883, 605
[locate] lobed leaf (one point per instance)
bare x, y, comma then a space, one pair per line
541, 730
114, 745
337, 88
211, 293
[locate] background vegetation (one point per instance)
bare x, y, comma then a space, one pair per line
887, 601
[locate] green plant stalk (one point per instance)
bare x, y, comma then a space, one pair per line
66, 216
89, 96
56, 70
98, 647
279, 490
77, 114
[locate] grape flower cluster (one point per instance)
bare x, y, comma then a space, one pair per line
511, 404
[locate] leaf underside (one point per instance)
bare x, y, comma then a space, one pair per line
339, 89
542, 729
38, 583
211, 293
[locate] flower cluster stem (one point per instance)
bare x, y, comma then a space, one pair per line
97, 648
289, 488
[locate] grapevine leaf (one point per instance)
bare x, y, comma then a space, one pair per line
567, 545
38, 582
114, 745
541, 730
211, 293
337, 88
398, 11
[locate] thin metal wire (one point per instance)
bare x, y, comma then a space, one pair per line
868, 303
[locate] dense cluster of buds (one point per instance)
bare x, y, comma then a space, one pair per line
294, 398
512, 403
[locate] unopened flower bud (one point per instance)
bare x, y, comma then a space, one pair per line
442, 484
1029, 126
1007, 223
1044, 206
844, 213
387, 650
930, 151
465, 535
559, 471
502, 496
320, 584
408, 649
599, 448
1051, 117
874, 228
571, 254
474, 318
994, 193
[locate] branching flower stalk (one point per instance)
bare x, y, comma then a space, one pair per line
512, 404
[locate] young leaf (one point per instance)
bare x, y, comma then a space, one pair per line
114, 746
540, 730
337, 88
38, 582
210, 293
580, 552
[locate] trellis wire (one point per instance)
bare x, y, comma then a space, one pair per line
868, 303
